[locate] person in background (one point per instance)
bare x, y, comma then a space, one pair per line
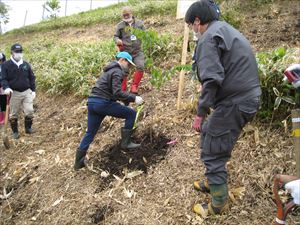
128, 42
102, 102
228, 72
2, 95
18, 80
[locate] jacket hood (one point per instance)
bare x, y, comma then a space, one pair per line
111, 65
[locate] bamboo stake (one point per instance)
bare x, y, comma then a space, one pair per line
183, 62
296, 134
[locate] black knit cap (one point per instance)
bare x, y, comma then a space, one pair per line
205, 10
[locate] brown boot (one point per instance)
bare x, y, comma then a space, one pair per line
205, 209
202, 185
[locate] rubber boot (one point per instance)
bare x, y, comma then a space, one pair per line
124, 84
137, 77
2, 118
219, 203
14, 127
79, 159
202, 186
126, 139
28, 125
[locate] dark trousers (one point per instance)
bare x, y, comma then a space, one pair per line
219, 135
3, 99
97, 110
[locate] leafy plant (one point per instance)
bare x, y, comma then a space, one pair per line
157, 49
275, 92
68, 68
52, 6
3, 15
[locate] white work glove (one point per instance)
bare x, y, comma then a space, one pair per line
294, 188
33, 95
8, 91
138, 100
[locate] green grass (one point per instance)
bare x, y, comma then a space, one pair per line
68, 68
109, 15
72, 68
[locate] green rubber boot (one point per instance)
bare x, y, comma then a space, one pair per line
79, 159
219, 203
126, 139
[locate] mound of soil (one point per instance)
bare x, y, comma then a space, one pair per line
116, 161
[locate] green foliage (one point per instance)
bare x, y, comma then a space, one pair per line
158, 49
259, 3
63, 68
275, 92
68, 68
233, 17
52, 6
111, 14
3, 15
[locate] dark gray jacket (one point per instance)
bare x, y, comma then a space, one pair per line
226, 66
131, 44
108, 85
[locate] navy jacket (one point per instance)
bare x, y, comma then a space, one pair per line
17, 78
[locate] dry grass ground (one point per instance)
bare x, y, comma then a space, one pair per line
139, 188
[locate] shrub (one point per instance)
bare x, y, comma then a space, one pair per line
68, 68
271, 67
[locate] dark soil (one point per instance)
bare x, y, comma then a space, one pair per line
116, 160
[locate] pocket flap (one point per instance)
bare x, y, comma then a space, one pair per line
218, 133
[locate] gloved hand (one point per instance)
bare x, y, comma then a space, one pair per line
8, 91
294, 188
197, 123
33, 94
138, 100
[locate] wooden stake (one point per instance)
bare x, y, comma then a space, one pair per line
296, 134
183, 62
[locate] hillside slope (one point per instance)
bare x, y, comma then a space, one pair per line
151, 185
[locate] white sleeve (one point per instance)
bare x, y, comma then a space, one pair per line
294, 188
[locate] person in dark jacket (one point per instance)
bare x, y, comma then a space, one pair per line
128, 42
2, 58
228, 72
102, 102
2, 95
18, 80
